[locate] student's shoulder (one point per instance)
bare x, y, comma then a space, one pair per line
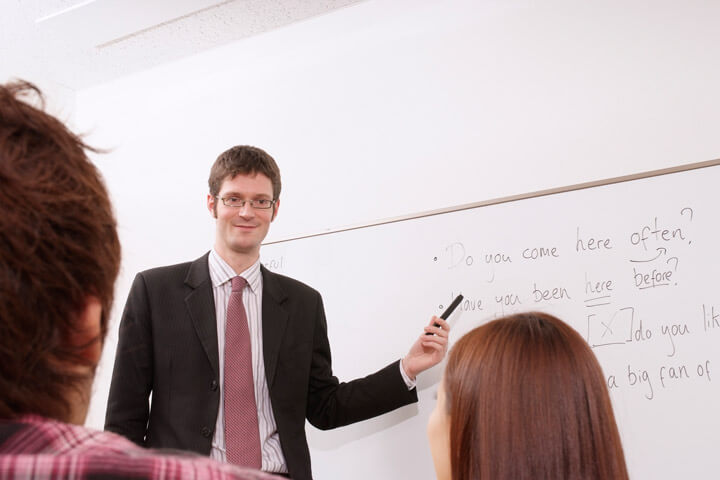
106, 455
176, 465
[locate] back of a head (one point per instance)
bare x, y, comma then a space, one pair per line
58, 245
527, 400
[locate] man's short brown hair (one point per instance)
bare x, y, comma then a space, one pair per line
58, 246
245, 160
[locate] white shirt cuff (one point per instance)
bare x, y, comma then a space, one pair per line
408, 381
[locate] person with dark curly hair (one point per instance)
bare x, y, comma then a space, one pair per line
59, 257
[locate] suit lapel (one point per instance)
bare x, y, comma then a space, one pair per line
274, 321
201, 307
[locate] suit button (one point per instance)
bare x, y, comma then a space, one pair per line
206, 432
214, 385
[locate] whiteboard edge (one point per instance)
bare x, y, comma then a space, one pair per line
510, 198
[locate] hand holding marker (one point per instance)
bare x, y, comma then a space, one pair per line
448, 311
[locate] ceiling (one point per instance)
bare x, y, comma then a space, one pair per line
80, 43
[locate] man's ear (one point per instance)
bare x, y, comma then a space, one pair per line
87, 336
276, 206
212, 205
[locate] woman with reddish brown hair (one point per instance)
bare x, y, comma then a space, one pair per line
523, 397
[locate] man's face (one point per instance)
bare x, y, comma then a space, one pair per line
241, 230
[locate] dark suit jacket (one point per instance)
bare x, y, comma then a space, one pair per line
168, 345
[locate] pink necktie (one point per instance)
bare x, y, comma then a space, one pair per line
242, 438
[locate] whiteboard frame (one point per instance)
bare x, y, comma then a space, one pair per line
510, 198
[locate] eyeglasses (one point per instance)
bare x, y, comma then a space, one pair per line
261, 203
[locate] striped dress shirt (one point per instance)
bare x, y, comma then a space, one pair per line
221, 274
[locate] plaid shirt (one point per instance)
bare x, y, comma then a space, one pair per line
33, 447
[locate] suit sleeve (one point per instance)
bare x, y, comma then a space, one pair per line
333, 404
128, 407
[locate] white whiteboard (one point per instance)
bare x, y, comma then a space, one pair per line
381, 283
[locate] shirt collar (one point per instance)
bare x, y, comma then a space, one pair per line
221, 272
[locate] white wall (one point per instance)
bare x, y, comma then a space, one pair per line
398, 106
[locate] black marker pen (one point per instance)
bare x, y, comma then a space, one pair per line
448, 311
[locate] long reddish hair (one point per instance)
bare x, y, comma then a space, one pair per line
527, 399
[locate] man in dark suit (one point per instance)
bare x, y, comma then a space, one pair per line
177, 341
